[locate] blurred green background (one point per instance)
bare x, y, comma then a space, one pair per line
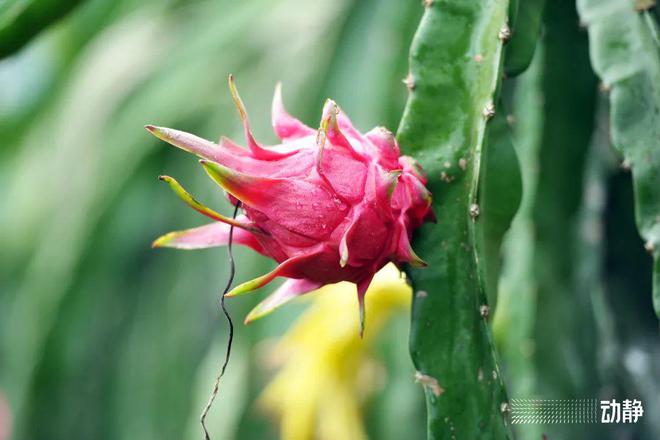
102, 337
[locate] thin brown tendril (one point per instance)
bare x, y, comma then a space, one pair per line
232, 272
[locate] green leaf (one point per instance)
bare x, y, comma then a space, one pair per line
455, 70
626, 56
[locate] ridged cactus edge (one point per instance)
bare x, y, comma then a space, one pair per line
455, 71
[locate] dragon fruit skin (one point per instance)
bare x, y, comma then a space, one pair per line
328, 205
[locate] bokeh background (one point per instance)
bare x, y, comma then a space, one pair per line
102, 337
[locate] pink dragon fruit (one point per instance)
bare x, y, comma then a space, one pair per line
328, 205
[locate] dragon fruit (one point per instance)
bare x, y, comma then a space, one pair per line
328, 205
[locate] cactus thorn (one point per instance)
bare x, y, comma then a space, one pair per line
478, 58
489, 111
484, 310
504, 408
510, 119
462, 163
430, 382
427, 3
650, 247
505, 33
421, 294
626, 165
474, 210
604, 88
409, 81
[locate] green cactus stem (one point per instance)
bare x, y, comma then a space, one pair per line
526, 30
455, 69
515, 316
625, 53
500, 190
545, 324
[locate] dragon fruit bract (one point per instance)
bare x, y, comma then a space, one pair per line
328, 205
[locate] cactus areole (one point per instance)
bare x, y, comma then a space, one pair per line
328, 205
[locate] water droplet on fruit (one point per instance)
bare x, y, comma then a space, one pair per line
340, 205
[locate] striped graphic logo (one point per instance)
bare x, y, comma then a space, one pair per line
554, 411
